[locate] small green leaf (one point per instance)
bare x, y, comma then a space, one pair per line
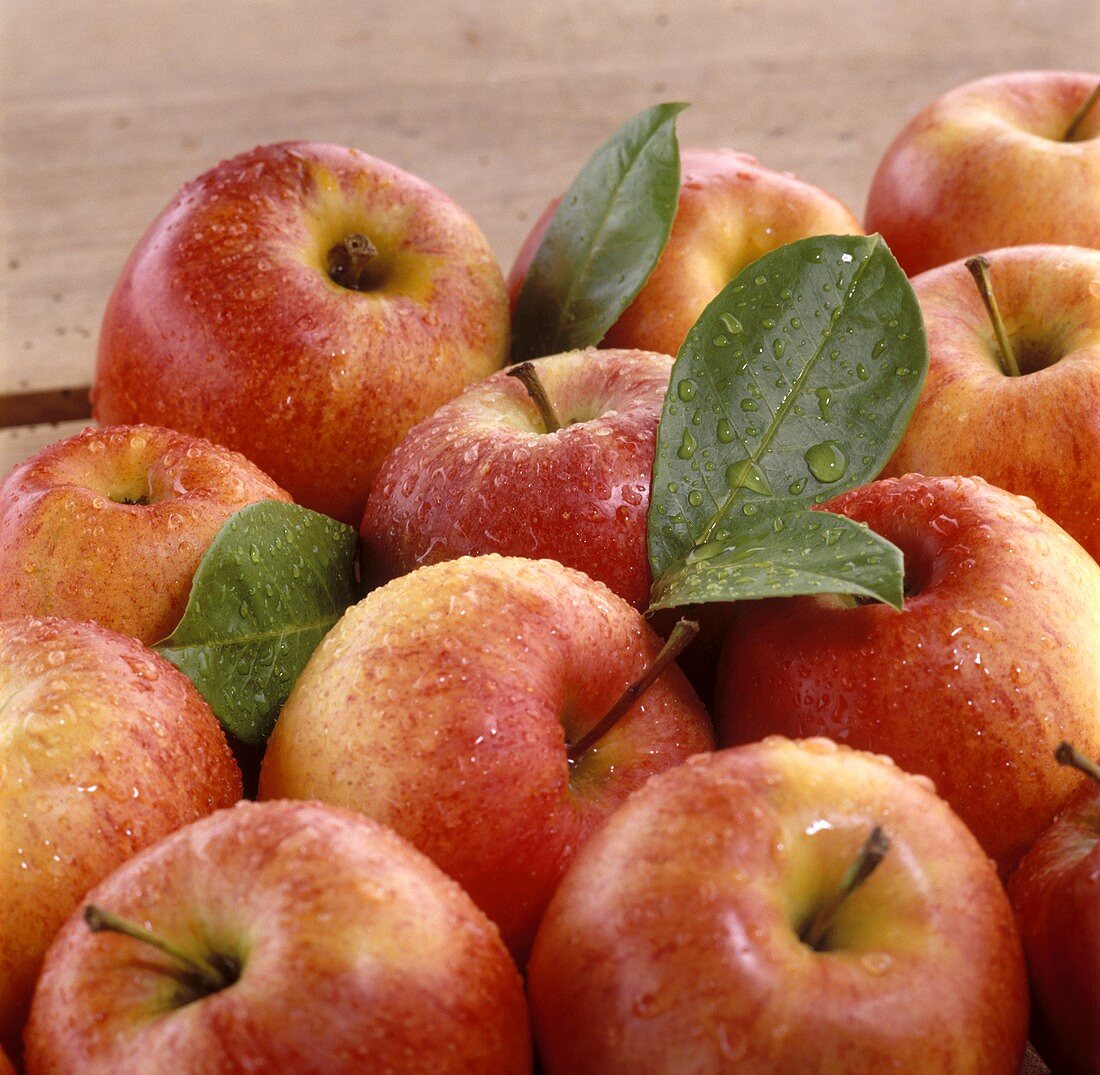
604, 239
794, 385
273, 582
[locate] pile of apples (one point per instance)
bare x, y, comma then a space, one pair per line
491, 828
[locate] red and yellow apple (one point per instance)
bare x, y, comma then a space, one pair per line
317, 943
110, 525
988, 165
699, 930
104, 749
452, 704
1036, 433
731, 211
1055, 892
486, 474
304, 304
994, 659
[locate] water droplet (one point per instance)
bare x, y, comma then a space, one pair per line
686, 390
827, 461
779, 347
695, 498
760, 281
876, 962
726, 434
687, 446
730, 323
721, 341
796, 487
862, 372
749, 509
749, 405
746, 474
824, 401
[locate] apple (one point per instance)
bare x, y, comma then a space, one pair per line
457, 704
1033, 425
708, 927
489, 472
731, 211
304, 304
1007, 160
5, 1064
1056, 895
104, 749
995, 658
296, 938
110, 525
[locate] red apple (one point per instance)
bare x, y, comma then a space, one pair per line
731, 211
995, 658
703, 929
1036, 433
1056, 894
453, 704
110, 525
304, 304
323, 944
487, 473
5, 1064
989, 164
104, 749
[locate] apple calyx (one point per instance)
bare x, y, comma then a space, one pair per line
979, 269
205, 976
678, 639
1080, 114
350, 263
1068, 754
814, 932
526, 374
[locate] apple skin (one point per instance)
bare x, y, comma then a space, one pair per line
356, 953
106, 748
70, 547
672, 943
442, 705
984, 166
5, 1064
994, 660
482, 475
226, 323
1055, 892
1035, 434
731, 211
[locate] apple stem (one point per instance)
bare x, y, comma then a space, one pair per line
678, 639
349, 262
209, 977
870, 855
1080, 114
527, 376
979, 269
1068, 754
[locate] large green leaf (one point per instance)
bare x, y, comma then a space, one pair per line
604, 238
795, 384
272, 583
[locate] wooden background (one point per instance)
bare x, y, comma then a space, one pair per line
105, 109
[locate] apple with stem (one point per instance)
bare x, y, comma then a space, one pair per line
487, 708
1007, 160
279, 937
1013, 385
1056, 895
994, 659
110, 525
304, 304
104, 749
731, 210
781, 907
551, 458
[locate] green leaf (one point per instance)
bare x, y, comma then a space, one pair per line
604, 239
795, 384
273, 582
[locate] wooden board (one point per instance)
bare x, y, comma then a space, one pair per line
107, 110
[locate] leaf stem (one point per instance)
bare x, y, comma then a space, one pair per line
1068, 754
526, 374
1080, 114
678, 639
979, 269
866, 862
209, 977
